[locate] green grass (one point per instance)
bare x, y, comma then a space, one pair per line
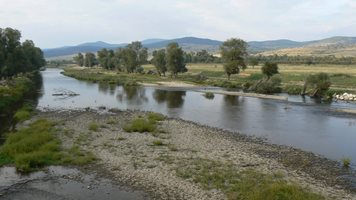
155, 117
157, 143
147, 123
35, 147
244, 185
93, 126
209, 95
343, 77
140, 125
22, 115
346, 162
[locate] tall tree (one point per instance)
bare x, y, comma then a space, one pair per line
103, 58
16, 57
90, 59
253, 61
79, 59
159, 61
175, 59
233, 52
269, 69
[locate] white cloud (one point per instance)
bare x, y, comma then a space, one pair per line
53, 23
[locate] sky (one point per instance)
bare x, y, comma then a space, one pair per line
55, 23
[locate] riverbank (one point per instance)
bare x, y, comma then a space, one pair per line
183, 160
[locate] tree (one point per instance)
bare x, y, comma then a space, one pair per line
90, 59
320, 84
159, 61
16, 57
233, 52
79, 59
103, 58
269, 69
175, 59
253, 62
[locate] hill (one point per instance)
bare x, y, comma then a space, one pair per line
337, 46
334, 46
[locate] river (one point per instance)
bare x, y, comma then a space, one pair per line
301, 123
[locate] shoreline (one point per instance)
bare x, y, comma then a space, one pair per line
132, 159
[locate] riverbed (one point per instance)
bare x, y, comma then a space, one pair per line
299, 122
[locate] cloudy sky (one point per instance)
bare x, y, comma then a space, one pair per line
53, 23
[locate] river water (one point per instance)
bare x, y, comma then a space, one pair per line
302, 123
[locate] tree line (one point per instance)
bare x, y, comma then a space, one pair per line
131, 58
17, 57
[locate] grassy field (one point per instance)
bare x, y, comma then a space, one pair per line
343, 77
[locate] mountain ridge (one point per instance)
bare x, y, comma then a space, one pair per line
268, 47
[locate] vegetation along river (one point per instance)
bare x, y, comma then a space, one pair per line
301, 123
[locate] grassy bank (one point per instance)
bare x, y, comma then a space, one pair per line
17, 98
343, 78
37, 146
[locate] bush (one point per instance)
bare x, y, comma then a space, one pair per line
93, 126
154, 117
209, 95
268, 87
140, 125
346, 162
293, 89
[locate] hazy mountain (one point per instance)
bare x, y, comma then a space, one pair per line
338, 46
258, 46
334, 46
150, 41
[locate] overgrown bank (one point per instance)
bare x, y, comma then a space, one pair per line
18, 96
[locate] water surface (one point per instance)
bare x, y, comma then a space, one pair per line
301, 123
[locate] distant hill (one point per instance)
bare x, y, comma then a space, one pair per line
334, 46
338, 46
259, 46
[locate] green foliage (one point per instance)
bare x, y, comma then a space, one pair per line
79, 59
233, 52
319, 83
154, 117
22, 115
144, 124
209, 95
269, 87
18, 58
93, 126
90, 59
159, 61
246, 185
175, 59
157, 143
293, 89
140, 125
269, 69
35, 147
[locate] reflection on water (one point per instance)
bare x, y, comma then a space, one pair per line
309, 126
132, 94
174, 99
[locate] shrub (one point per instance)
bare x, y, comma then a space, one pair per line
93, 126
155, 117
140, 125
209, 95
346, 162
293, 89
